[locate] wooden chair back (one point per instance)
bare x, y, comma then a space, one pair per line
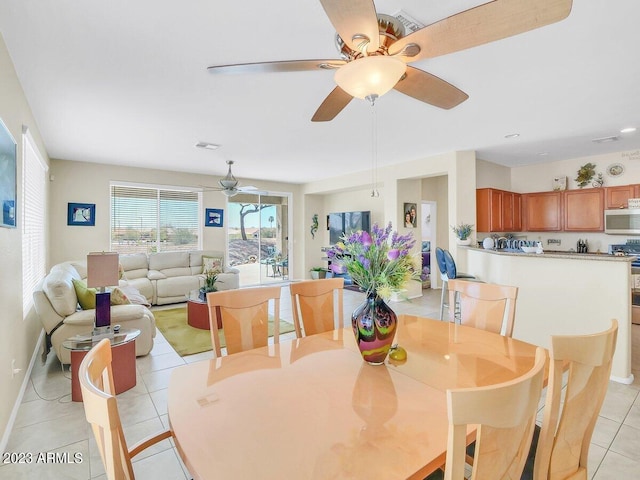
505, 416
244, 315
101, 409
313, 305
487, 306
563, 446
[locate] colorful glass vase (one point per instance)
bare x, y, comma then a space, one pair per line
374, 326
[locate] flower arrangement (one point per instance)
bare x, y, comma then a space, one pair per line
210, 278
462, 231
378, 262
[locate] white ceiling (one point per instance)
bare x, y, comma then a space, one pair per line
125, 82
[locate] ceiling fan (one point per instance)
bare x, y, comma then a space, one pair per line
229, 185
375, 43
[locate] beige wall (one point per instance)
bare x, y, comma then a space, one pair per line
492, 175
89, 183
20, 336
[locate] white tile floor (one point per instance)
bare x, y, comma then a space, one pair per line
49, 422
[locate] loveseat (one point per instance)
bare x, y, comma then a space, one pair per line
166, 277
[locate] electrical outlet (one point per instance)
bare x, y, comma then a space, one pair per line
551, 241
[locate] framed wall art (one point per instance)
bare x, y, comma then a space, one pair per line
82, 214
213, 217
8, 153
410, 212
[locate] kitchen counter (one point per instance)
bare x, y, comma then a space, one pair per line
562, 293
598, 256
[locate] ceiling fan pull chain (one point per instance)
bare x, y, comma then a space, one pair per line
374, 150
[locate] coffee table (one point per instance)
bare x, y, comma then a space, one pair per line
123, 349
198, 311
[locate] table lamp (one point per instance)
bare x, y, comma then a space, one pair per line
102, 272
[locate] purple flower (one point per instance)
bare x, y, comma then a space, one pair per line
366, 240
393, 254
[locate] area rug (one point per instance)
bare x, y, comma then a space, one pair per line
187, 340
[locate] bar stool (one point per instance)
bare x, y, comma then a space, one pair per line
448, 271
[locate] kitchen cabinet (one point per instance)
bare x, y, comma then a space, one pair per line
618, 197
498, 211
584, 210
542, 211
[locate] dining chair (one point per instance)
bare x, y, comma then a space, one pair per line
563, 445
244, 315
487, 306
101, 409
505, 416
448, 271
313, 304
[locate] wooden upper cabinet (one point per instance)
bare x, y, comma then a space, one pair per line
511, 212
584, 210
618, 197
542, 211
498, 211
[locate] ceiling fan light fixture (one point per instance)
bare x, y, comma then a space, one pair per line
231, 192
370, 76
229, 182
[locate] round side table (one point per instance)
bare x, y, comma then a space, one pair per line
123, 350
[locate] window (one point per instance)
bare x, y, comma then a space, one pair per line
151, 219
34, 191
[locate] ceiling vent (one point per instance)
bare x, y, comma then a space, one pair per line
613, 138
207, 145
410, 24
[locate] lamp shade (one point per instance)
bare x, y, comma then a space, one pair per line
102, 269
367, 76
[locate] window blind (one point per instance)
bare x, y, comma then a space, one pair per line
34, 172
149, 219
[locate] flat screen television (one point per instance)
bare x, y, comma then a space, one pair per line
347, 222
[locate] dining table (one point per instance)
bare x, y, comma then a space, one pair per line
312, 408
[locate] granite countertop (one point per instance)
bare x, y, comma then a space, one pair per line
598, 256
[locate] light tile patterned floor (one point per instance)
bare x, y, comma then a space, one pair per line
49, 422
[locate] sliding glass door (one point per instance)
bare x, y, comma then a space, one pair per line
258, 237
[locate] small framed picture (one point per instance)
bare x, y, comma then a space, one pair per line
410, 212
83, 214
213, 217
559, 183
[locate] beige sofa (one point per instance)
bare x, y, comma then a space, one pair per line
56, 303
156, 279
167, 277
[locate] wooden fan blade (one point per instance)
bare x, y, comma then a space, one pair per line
353, 18
430, 89
274, 67
483, 24
332, 105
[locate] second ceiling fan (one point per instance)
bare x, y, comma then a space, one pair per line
374, 49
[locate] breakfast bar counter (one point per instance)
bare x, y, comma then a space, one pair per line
562, 293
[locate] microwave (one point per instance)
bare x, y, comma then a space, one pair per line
625, 221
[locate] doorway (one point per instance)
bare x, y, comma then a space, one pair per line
428, 228
258, 237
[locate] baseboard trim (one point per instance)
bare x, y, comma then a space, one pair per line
23, 389
624, 380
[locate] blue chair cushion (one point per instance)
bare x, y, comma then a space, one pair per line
441, 261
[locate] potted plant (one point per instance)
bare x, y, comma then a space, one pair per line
210, 277
318, 272
463, 232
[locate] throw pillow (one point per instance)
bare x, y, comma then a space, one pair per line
134, 295
213, 264
86, 296
118, 297
121, 274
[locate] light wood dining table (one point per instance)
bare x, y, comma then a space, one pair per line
311, 408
